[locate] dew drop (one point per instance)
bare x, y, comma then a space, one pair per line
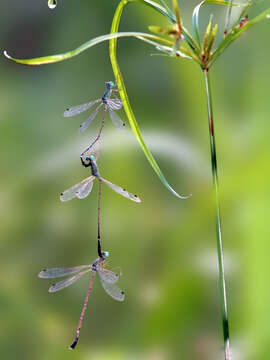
268, 16
52, 4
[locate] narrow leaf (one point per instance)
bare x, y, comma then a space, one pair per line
177, 14
80, 49
126, 104
166, 11
183, 52
195, 15
212, 39
169, 11
170, 15
206, 35
235, 33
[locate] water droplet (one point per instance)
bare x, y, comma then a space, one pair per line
268, 16
52, 4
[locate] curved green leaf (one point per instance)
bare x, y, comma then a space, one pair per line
195, 15
235, 33
162, 10
60, 57
126, 104
169, 11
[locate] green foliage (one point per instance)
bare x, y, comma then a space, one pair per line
126, 103
201, 54
70, 54
176, 277
195, 16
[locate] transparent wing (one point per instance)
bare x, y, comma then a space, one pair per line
122, 191
59, 272
80, 190
107, 275
88, 121
76, 110
84, 190
113, 290
114, 104
117, 122
65, 283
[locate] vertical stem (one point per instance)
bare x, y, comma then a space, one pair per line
225, 321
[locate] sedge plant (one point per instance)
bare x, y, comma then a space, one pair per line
174, 40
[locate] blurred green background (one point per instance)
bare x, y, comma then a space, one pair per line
165, 247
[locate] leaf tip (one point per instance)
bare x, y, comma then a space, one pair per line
7, 55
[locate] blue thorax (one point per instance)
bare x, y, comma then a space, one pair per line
94, 167
107, 93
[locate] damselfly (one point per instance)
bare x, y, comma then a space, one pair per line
107, 277
83, 189
110, 104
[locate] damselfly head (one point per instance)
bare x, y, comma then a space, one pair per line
109, 84
105, 254
92, 158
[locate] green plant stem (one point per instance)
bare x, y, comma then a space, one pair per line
225, 320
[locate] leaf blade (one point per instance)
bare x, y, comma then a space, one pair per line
70, 54
236, 32
126, 104
195, 15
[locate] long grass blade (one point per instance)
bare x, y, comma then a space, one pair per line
68, 55
235, 33
195, 15
126, 104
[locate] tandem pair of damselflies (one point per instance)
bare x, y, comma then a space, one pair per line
107, 277
110, 104
83, 189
